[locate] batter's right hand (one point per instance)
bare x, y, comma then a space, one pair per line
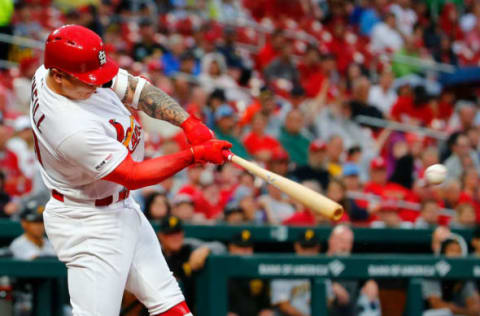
211, 151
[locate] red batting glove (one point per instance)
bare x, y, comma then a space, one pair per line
211, 151
196, 132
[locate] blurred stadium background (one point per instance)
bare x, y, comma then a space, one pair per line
353, 98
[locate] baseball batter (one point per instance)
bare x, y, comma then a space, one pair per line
90, 149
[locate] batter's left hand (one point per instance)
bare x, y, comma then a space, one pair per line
196, 132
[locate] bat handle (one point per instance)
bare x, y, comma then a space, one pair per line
228, 155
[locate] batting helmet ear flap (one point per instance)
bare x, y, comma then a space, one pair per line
79, 52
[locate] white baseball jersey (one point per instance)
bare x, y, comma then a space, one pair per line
79, 142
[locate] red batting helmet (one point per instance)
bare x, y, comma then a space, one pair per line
79, 52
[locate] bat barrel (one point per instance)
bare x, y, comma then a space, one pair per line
311, 199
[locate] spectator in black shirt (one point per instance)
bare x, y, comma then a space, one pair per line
359, 104
247, 297
4, 197
315, 169
184, 256
147, 46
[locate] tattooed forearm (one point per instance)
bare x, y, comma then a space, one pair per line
155, 103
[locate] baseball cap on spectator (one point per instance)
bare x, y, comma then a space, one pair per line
308, 239
22, 123
182, 198
187, 55
412, 138
175, 39
464, 104
171, 225
317, 145
242, 192
327, 56
218, 94
297, 91
145, 22
32, 212
353, 150
243, 239
223, 111
155, 65
279, 154
378, 163
266, 90
350, 169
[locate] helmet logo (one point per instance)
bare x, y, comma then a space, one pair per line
102, 57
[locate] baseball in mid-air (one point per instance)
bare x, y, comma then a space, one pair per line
436, 174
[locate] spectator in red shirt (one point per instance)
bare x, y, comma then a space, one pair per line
449, 21
271, 49
193, 187
343, 45
310, 64
257, 143
445, 107
327, 72
16, 183
414, 109
378, 176
227, 178
267, 104
389, 216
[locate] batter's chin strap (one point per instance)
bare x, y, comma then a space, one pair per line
108, 84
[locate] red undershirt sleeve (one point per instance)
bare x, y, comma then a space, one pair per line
134, 175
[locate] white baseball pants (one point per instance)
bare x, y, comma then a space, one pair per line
107, 250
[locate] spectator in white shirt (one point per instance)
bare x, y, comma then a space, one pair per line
22, 145
382, 95
405, 16
385, 37
33, 243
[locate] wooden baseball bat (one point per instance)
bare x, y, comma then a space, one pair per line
311, 199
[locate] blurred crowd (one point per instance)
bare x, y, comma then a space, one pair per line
308, 89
